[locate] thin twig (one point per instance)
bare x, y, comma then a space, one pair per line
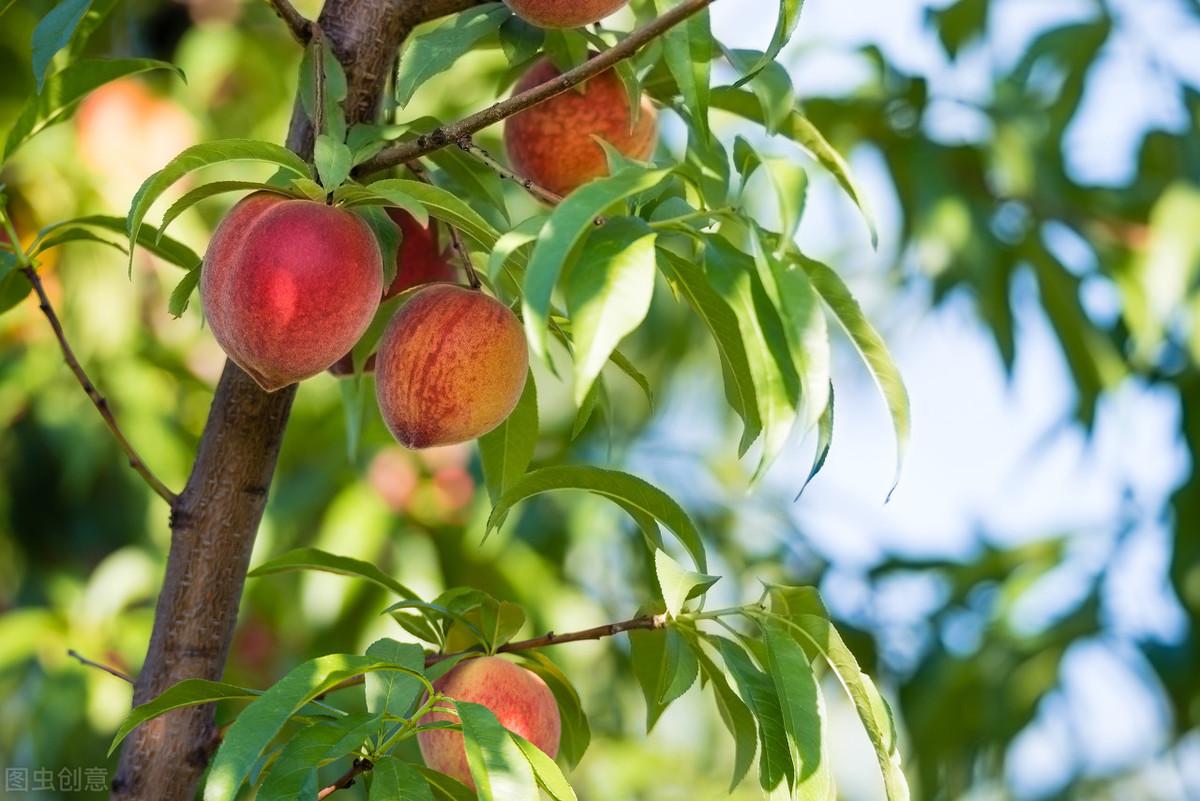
359, 767
645, 622
98, 400
120, 674
466, 127
540, 192
300, 27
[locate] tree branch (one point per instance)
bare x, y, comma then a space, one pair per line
538, 191
120, 674
98, 400
359, 767
466, 127
300, 27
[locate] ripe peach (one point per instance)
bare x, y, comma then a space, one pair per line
418, 259
519, 699
289, 286
551, 143
450, 368
564, 13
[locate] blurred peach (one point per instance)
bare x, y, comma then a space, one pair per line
455, 487
393, 475
446, 456
126, 132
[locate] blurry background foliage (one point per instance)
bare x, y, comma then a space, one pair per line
1031, 597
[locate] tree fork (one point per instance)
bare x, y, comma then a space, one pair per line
215, 519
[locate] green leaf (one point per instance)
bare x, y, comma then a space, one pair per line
206, 191
446, 206
549, 776
508, 244
262, 720
870, 346
871, 707
608, 294
332, 159
432, 50
718, 316
181, 295
772, 86
149, 237
687, 50
52, 34
65, 88
622, 488
758, 691
576, 732
309, 749
388, 235
440, 613
734, 714
203, 155
734, 275
665, 666
804, 327
569, 222
678, 584
315, 559
801, 130
334, 89
14, 286
785, 26
803, 713
64, 235
508, 449
389, 692
393, 780
189, 692
445, 788
824, 441
499, 768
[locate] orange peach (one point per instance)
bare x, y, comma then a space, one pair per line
564, 13
519, 699
450, 367
551, 143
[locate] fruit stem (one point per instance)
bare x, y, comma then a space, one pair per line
26, 266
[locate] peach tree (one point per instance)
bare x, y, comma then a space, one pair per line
345, 261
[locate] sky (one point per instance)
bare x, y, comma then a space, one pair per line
988, 453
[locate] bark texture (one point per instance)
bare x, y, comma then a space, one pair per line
215, 519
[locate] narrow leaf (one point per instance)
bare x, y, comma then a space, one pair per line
508, 449
52, 34
314, 559
190, 692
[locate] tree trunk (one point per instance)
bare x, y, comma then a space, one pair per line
215, 519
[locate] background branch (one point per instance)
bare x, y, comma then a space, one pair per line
120, 674
469, 125
301, 28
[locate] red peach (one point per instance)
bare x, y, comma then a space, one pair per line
519, 699
289, 286
450, 368
418, 259
551, 143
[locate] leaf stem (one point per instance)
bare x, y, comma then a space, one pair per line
98, 400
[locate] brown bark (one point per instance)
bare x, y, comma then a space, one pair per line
215, 519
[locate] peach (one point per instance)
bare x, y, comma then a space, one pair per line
519, 699
564, 13
289, 286
450, 367
551, 143
418, 259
